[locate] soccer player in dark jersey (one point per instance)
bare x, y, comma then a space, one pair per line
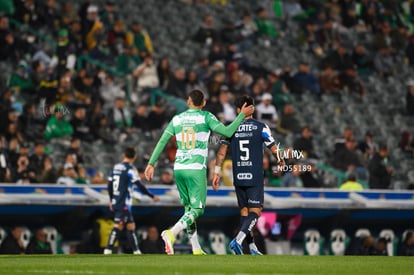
120, 187
248, 177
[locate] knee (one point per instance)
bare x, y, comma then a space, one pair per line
198, 212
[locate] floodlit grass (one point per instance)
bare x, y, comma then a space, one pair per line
209, 264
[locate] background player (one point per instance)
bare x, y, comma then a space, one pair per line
248, 178
192, 130
120, 187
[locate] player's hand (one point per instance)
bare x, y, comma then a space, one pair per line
215, 182
149, 172
156, 198
247, 110
110, 207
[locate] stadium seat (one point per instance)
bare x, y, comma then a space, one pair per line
338, 242
362, 232
392, 240
217, 241
26, 236
52, 236
3, 234
313, 242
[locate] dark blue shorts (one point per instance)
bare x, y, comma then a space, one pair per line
250, 196
123, 216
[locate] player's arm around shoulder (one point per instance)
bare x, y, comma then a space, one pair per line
221, 155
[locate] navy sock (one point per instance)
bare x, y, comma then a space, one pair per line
132, 239
249, 223
249, 237
113, 236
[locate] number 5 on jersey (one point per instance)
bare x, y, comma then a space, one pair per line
245, 152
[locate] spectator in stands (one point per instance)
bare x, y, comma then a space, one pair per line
157, 115
102, 130
140, 39
406, 247
49, 15
349, 81
207, 33
265, 27
119, 116
140, 118
167, 177
368, 146
383, 38
409, 51
216, 55
5, 164
229, 33
384, 63
192, 82
47, 172
10, 117
347, 134
146, 74
13, 244
177, 85
164, 72
305, 144
266, 111
92, 27
38, 244
86, 91
8, 43
117, 37
65, 94
20, 80
307, 38
37, 158
128, 60
108, 15
379, 169
81, 128
69, 176
292, 178
228, 111
279, 90
339, 58
306, 80
202, 69
288, 123
75, 35
65, 52
239, 82
329, 80
109, 90
248, 30
351, 184
328, 35
348, 159
98, 178
75, 150
57, 127
152, 244
362, 60
409, 99
406, 143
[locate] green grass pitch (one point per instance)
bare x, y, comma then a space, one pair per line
209, 264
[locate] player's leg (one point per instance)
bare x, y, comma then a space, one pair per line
131, 235
113, 236
236, 243
193, 237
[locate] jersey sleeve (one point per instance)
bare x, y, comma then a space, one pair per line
134, 177
166, 136
216, 126
268, 139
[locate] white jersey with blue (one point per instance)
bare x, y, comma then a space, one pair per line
121, 182
247, 152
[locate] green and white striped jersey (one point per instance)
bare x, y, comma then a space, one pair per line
192, 130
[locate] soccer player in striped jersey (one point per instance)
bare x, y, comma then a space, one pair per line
192, 130
248, 178
120, 187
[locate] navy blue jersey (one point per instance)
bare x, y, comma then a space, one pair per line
247, 152
121, 182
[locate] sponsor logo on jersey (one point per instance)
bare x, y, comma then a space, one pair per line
244, 176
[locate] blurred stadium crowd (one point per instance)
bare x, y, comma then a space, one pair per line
332, 78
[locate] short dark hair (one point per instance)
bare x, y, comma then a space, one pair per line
197, 97
130, 152
244, 99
